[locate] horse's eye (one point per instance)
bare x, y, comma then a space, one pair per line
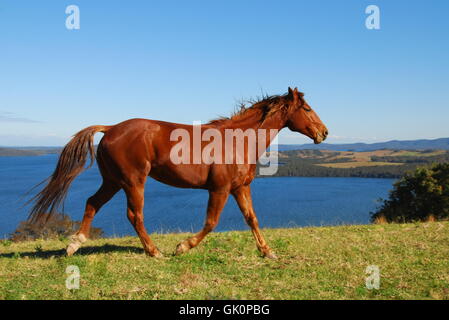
308, 109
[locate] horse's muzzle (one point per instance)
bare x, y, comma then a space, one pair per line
320, 136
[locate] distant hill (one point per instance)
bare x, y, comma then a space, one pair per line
391, 164
441, 144
27, 151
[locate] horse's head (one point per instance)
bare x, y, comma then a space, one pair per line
301, 118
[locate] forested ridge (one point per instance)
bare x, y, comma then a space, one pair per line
321, 163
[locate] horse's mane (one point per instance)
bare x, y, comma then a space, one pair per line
263, 108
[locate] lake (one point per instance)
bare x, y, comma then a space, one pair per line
279, 202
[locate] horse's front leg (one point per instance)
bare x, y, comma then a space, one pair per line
243, 197
217, 201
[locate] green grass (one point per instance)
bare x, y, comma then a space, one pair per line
314, 263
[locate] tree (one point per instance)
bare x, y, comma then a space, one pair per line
420, 195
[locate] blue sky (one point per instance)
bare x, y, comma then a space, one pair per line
182, 61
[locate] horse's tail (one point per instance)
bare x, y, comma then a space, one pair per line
71, 163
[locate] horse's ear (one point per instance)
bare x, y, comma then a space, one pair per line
293, 94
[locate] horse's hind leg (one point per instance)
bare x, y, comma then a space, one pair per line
243, 197
135, 196
217, 201
93, 205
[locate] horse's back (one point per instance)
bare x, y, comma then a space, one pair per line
142, 147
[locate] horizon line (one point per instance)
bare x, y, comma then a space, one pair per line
284, 144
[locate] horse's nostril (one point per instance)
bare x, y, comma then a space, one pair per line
326, 133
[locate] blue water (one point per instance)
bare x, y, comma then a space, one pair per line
279, 202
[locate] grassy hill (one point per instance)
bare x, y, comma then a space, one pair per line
314, 263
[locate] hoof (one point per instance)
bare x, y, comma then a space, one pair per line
77, 241
270, 255
157, 254
72, 248
181, 248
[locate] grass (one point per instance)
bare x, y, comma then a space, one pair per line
358, 164
314, 263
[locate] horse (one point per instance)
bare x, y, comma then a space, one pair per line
135, 149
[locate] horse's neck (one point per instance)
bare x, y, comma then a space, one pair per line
271, 126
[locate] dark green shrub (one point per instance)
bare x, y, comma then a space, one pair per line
58, 226
418, 196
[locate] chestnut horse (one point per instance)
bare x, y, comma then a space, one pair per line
131, 151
